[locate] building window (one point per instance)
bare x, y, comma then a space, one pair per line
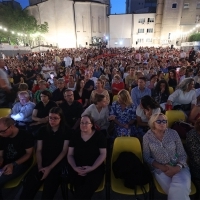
149, 40
198, 5
142, 20
140, 30
174, 5
140, 40
150, 20
149, 30
186, 5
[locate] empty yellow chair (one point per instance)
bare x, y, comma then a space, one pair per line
128, 144
4, 112
171, 90
174, 115
166, 76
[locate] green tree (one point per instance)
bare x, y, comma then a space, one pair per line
194, 37
18, 21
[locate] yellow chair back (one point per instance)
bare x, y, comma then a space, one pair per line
115, 97
166, 76
171, 90
128, 144
4, 112
174, 115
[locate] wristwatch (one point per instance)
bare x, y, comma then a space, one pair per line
181, 166
14, 164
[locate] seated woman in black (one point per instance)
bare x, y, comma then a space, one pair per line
86, 154
41, 111
81, 94
52, 146
161, 92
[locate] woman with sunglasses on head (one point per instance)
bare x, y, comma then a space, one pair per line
86, 155
164, 152
52, 146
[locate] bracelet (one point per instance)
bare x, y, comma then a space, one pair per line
180, 166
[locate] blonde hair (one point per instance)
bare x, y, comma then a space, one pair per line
153, 118
23, 93
117, 77
125, 97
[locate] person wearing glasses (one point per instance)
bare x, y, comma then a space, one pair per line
164, 152
52, 146
16, 149
22, 110
72, 109
86, 155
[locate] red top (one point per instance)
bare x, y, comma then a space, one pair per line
116, 87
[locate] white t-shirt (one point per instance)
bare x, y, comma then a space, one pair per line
140, 113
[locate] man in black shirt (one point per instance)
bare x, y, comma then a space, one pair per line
71, 109
16, 149
30, 76
57, 95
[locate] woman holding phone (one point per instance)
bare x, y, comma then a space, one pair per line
52, 146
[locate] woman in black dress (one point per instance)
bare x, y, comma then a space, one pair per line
52, 146
172, 81
86, 155
81, 94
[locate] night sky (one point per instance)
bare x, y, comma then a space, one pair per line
118, 6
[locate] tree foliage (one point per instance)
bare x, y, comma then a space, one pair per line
19, 21
194, 37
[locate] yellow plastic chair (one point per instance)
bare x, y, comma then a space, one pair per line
174, 115
160, 190
11, 80
171, 90
15, 182
4, 112
125, 144
115, 97
166, 76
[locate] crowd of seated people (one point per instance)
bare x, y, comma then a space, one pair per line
73, 95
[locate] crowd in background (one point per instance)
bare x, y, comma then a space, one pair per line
123, 87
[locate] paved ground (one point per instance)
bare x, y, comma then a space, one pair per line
13, 194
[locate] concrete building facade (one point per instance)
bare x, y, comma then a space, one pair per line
72, 23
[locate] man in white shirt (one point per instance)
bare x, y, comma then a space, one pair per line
3, 55
68, 60
182, 54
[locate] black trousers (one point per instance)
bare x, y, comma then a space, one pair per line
85, 186
33, 183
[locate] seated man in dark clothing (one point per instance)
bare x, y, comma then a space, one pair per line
89, 84
16, 149
57, 95
71, 109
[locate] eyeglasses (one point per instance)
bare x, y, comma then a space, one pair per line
3, 131
86, 123
54, 118
161, 121
69, 95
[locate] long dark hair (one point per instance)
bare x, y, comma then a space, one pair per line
148, 102
78, 87
58, 111
157, 88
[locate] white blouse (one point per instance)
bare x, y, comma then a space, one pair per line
178, 97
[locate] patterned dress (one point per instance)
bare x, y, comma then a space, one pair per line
123, 117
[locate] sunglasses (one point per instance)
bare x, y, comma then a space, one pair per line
3, 131
161, 121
